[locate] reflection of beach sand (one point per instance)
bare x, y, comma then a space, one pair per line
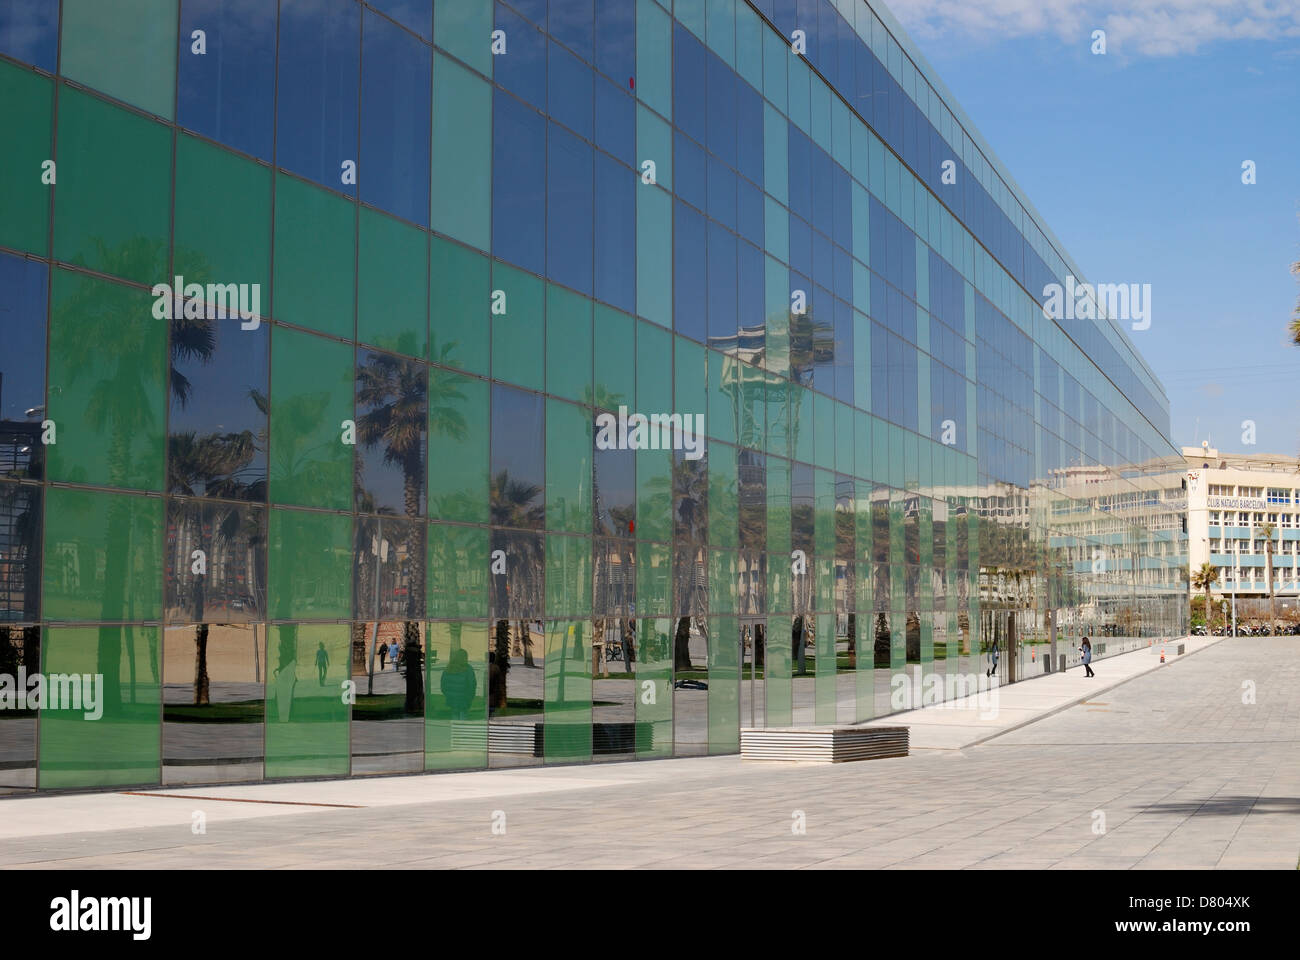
230, 654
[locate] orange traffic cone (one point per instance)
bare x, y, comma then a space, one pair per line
1162, 654
1033, 654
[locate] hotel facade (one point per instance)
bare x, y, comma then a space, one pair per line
316, 313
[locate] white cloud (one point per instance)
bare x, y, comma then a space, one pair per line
1154, 28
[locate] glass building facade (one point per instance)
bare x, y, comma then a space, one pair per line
351, 354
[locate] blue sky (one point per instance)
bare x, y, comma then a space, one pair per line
1134, 160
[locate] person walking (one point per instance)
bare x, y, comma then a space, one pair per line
322, 662
993, 660
393, 652
383, 655
1086, 650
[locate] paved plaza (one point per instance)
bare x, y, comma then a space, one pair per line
1194, 764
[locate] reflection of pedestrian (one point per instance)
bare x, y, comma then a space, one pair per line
383, 655
392, 654
496, 684
1086, 650
322, 662
993, 660
458, 684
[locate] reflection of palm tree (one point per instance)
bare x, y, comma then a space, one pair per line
518, 504
395, 393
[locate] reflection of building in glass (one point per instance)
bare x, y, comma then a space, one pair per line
465, 261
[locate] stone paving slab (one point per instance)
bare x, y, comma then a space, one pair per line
1180, 772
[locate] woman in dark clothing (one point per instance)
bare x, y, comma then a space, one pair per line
1086, 650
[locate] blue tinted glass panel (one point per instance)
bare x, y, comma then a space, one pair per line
690, 177
29, 31
722, 282
690, 273
616, 42
615, 122
571, 90
320, 60
749, 132
572, 22
522, 69
518, 184
228, 93
569, 210
688, 83
722, 193
416, 15
721, 110
395, 93
22, 361
615, 245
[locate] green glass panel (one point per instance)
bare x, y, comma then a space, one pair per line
654, 369
112, 206
777, 679
568, 576
568, 344
693, 16
692, 378
720, 25
724, 685
26, 112
455, 707
722, 581
101, 708
307, 730
309, 566
517, 341
654, 143
801, 423
458, 571
315, 258
778, 507
824, 428
461, 188
749, 45
826, 709
567, 708
654, 57
223, 219
654, 582
776, 58
312, 391
824, 512
568, 467
723, 411
126, 49
654, 494
615, 353
108, 368
462, 28
654, 261
842, 438
654, 703
752, 399
392, 291
724, 507
458, 447
102, 556
458, 306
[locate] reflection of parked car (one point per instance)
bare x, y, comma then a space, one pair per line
690, 685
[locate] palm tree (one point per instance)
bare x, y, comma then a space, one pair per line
1203, 578
394, 393
517, 504
1294, 326
1267, 530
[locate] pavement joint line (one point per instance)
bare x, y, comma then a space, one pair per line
285, 803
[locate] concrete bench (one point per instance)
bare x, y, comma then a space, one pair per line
822, 744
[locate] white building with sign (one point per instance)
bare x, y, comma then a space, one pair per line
1230, 497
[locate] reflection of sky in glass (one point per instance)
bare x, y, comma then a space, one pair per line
220, 400
615, 490
22, 319
517, 446
30, 32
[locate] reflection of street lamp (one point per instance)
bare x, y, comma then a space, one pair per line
378, 547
